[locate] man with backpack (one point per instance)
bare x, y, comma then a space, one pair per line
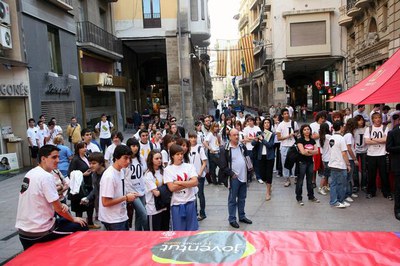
104, 128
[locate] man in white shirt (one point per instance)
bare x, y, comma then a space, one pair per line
39, 199
86, 135
33, 140
233, 167
250, 133
361, 111
286, 132
51, 133
145, 145
104, 127
112, 208
41, 133
339, 165
117, 139
375, 138
291, 111
56, 127
272, 111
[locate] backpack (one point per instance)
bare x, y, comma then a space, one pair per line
384, 129
99, 124
292, 156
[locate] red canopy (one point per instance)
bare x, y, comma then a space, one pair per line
382, 86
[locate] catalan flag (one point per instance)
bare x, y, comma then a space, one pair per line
246, 46
235, 57
222, 58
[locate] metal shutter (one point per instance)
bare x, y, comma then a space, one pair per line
62, 111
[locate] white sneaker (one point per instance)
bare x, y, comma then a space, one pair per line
260, 181
354, 195
321, 191
349, 199
339, 205
346, 204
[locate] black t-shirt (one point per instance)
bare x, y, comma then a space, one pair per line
307, 145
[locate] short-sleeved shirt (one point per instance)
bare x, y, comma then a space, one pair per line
338, 145
307, 145
182, 172
361, 147
152, 182
64, 155
197, 158
349, 139
238, 164
32, 134
145, 149
35, 212
111, 186
376, 133
134, 181
326, 149
250, 132
285, 128
213, 142
105, 129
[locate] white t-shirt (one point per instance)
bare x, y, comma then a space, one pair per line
41, 135
35, 212
376, 133
326, 150
361, 147
290, 110
165, 157
197, 159
109, 154
105, 129
285, 128
58, 129
111, 186
183, 172
52, 135
349, 139
134, 176
91, 147
338, 145
250, 132
31, 133
152, 182
144, 149
315, 127
200, 137
212, 141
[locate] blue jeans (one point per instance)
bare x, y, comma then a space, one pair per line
122, 226
256, 164
236, 199
286, 172
305, 169
337, 181
349, 179
184, 217
138, 205
200, 194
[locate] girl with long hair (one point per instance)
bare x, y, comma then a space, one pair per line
324, 137
361, 154
350, 128
212, 143
168, 140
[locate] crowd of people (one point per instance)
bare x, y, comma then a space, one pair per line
159, 173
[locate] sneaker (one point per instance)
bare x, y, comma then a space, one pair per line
327, 188
368, 196
287, 183
349, 199
260, 181
314, 185
355, 189
300, 202
338, 205
315, 200
346, 204
321, 191
354, 195
389, 197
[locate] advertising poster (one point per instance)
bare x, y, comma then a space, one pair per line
8, 162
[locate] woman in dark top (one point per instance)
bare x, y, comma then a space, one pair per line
81, 163
307, 148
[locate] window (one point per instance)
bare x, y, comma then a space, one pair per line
384, 17
194, 10
53, 41
103, 19
151, 14
203, 16
308, 33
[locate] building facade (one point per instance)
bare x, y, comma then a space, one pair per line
15, 89
163, 41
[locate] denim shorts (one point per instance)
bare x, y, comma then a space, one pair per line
327, 170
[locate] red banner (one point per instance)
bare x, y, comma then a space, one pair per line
212, 247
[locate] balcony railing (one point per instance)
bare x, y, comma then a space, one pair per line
352, 10
88, 32
151, 20
64, 4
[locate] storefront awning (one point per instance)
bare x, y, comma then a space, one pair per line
111, 89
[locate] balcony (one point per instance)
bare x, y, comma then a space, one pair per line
267, 6
64, 4
352, 10
151, 20
255, 24
363, 3
98, 40
266, 57
344, 19
253, 4
243, 21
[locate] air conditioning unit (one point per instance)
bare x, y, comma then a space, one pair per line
4, 13
5, 37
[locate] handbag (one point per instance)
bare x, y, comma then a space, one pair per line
249, 163
164, 200
292, 156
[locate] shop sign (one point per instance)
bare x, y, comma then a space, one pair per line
14, 89
54, 89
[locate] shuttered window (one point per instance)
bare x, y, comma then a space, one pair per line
62, 111
308, 33
194, 10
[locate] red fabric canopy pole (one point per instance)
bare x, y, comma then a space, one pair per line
382, 86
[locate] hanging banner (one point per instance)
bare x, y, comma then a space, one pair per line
236, 69
246, 45
216, 248
221, 63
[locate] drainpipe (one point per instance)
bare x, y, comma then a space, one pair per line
183, 120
